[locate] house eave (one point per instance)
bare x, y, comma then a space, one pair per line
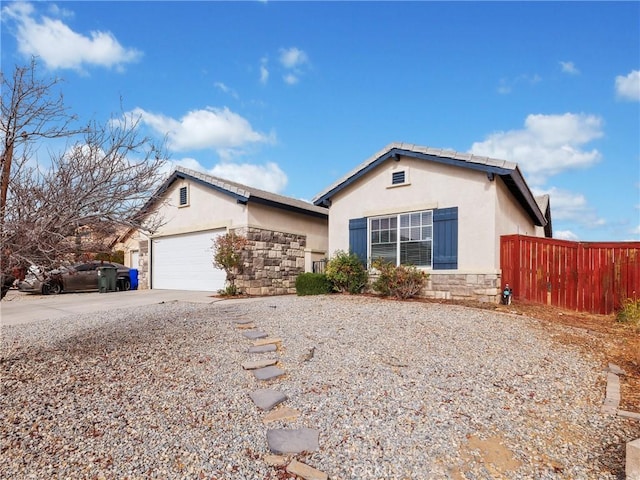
508, 171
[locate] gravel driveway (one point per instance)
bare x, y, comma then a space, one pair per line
398, 390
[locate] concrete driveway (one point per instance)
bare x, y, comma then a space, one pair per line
18, 307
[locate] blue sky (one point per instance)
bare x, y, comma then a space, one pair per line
290, 96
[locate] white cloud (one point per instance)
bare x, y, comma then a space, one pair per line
572, 207
264, 71
293, 57
224, 88
264, 74
294, 61
565, 235
269, 176
290, 79
628, 88
547, 145
59, 47
508, 84
210, 128
570, 68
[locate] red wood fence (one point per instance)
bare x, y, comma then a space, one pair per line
585, 276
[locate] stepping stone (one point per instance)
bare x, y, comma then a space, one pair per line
283, 441
255, 334
275, 460
245, 326
268, 373
266, 341
263, 348
253, 365
305, 471
243, 321
266, 399
283, 413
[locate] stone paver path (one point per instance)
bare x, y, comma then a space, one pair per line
263, 348
254, 364
267, 373
283, 413
281, 441
267, 341
267, 398
255, 334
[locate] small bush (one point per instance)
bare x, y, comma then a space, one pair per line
228, 249
402, 282
346, 273
229, 291
312, 284
630, 312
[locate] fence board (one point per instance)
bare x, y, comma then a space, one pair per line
586, 276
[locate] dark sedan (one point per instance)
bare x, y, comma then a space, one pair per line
81, 277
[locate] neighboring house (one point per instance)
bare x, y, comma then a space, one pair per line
285, 236
442, 211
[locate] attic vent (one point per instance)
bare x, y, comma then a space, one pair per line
397, 178
184, 199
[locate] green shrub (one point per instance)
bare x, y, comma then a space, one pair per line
346, 273
404, 281
312, 284
630, 312
229, 291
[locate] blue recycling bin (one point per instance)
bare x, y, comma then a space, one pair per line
133, 278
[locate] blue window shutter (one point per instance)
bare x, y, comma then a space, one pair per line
358, 238
445, 238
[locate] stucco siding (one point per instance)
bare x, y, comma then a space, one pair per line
315, 229
511, 218
207, 209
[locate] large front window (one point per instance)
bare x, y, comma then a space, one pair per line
405, 239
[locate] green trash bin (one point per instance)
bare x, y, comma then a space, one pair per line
107, 277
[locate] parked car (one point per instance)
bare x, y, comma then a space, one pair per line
81, 277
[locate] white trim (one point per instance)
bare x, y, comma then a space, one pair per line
400, 210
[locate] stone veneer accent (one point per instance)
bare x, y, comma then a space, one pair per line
143, 265
463, 286
272, 262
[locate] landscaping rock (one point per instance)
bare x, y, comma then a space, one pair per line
282, 413
267, 341
305, 471
255, 364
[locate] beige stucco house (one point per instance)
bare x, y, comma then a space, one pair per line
442, 211
285, 236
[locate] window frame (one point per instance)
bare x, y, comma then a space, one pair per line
404, 223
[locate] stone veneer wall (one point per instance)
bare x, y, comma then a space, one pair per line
272, 262
143, 265
461, 286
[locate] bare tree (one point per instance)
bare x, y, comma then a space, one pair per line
77, 200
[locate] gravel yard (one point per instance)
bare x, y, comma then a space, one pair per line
398, 390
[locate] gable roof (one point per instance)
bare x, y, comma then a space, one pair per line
507, 171
544, 202
241, 193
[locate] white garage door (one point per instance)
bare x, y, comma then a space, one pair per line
185, 262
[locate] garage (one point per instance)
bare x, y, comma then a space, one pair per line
185, 262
